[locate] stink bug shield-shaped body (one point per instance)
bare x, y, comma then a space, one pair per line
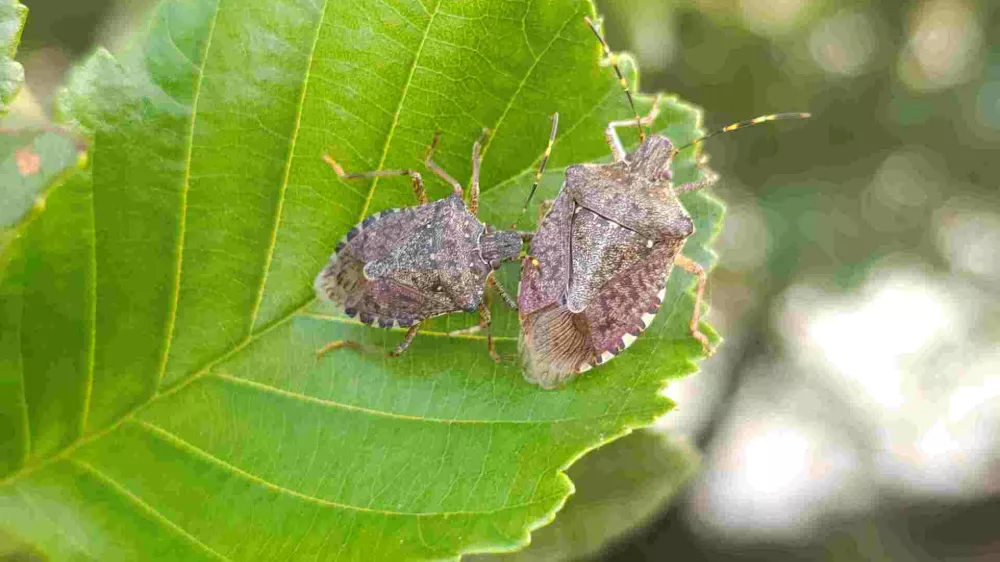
403, 266
602, 255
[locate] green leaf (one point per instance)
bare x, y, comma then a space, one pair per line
12, 16
620, 487
160, 385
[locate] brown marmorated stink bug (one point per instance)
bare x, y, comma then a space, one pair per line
601, 255
403, 266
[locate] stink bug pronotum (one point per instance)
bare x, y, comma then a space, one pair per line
403, 266
602, 254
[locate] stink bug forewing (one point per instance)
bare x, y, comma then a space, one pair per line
619, 288
601, 249
542, 286
627, 304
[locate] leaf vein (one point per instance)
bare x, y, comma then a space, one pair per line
145, 507
180, 443
524, 81
408, 417
398, 13
399, 108
524, 28
182, 224
92, 313
287, 172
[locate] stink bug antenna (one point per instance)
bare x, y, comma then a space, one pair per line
541, 166
613, 59
747, 123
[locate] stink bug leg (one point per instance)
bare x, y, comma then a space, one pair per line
611, 134
484, 323
418, 182
407, 340
503, 292
692, 267
477, 160
337, 344
430, 163
708, 179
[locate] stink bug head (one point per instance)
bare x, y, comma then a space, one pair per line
635, 193
651, 161
497, 246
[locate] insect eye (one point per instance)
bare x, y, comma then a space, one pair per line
663, 175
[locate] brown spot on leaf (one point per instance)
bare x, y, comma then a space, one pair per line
28, 163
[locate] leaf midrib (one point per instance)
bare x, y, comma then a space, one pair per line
296, 310
206, 370
182, 224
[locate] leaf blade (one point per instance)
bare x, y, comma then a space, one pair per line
208, 230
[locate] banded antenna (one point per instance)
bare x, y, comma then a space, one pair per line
747, 123
613, 59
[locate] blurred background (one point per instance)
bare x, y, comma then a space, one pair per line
854, 410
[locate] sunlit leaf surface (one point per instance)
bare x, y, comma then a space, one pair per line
161, 396
620, 487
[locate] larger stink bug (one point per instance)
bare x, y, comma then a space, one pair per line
403, 266
602, 254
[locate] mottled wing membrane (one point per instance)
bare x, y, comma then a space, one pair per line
388, 299
555, 345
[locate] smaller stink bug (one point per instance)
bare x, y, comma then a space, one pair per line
403, 266
602, 254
